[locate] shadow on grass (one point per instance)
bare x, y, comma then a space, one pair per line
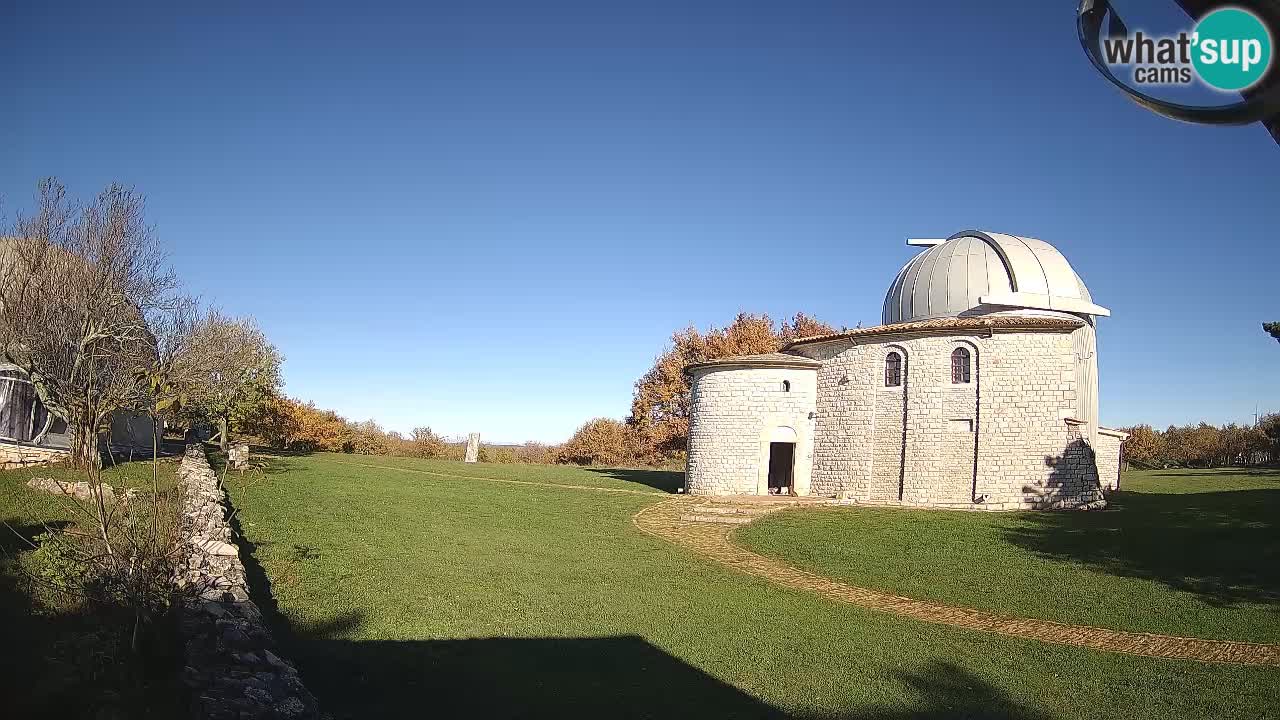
75, 660
1222, 546
664, 480
17, 537
592, 677
1272, 474
622, 676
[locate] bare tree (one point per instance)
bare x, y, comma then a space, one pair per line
80, 286
77, 287
225, 370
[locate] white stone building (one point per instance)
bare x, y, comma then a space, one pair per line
978, 391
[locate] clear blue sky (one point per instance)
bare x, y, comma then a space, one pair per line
491, 216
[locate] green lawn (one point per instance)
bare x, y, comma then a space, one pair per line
418, 594
1182, 552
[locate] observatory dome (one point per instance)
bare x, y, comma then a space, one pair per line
977, 273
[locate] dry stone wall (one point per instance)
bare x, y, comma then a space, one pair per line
13, 455
231, 666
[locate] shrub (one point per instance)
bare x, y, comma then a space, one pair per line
603, 441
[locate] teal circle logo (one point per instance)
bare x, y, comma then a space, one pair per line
1232, 49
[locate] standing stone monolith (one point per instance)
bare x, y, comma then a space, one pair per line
238, 456
473, 447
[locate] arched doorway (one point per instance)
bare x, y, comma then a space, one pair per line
782, 461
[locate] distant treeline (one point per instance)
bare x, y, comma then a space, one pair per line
657, 429
654, 434
290, 424
1204, 445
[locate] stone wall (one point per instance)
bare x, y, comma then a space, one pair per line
13, 455
995, 443
1108, 449
734, 414
231, 667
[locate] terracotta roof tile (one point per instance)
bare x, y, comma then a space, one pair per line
775, 359
940, 325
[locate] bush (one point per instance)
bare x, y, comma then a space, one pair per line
603, 441
1203, 445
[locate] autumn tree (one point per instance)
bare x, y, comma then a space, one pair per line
77, 286
602, 441
366, 438
426, 443
83, 291
660, 405
1145, 447
275, 421
230, 372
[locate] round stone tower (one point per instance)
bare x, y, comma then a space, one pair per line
751, 425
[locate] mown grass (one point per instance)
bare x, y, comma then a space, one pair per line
1180, 552
64, 657
406, 594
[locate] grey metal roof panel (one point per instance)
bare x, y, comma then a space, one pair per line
951, 278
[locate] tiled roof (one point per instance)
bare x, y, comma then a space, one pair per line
943, 325
774, 359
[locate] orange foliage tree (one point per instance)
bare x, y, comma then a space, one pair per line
602, 441
284, 422
660, 405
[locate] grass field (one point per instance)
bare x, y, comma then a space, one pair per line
404, 590
1181, 552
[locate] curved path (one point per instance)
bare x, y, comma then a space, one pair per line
692, 523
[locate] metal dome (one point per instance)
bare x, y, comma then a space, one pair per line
975, 273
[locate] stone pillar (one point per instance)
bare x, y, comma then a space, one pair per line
473, 447
238, 456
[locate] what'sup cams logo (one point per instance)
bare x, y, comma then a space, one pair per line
1229, 49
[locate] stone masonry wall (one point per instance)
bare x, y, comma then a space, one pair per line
1108, 450
999, 439
13, 455
231, 667
733, 411
846, 408
888, 434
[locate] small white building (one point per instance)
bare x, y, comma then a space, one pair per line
978, 391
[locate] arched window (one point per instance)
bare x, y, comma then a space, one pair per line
893, 370
960, 365
786, 386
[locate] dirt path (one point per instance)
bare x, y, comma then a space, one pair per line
673, 521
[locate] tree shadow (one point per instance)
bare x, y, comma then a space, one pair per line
71, 659
620, 676
1272, 474
1223, 546
665, 480
278, 452
1073, 480
946, 691
17, 537
262, 459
